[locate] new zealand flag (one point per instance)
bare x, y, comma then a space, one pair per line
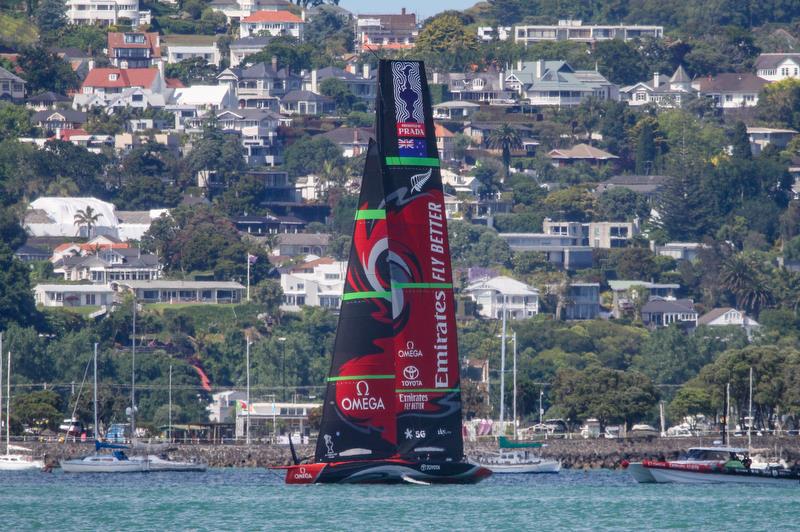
412, 147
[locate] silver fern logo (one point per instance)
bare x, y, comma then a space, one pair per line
418, 181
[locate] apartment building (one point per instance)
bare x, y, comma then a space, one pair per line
394, 32
575, 30
603, 235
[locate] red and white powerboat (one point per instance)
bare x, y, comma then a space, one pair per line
704, 465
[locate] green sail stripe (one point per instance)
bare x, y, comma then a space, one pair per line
358, 377
371, 214
413, 161
421, 285
366, 295
429, 390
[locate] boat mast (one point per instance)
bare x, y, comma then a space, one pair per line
169, 426
8, 403
514, 338
133, 371
503, 371
94, 395
1, 380
750, 415
247, 416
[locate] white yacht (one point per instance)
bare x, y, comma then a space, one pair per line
21, 460
518, 461
116, 462
163, 463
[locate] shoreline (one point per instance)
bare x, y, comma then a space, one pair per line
574, 454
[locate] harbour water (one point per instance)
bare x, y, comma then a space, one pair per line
257, 499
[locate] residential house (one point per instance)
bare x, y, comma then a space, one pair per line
460, 183
778, 66
204, 97
28, 253
273, 23
729, 317
73, 295
137, 125
663, 312
134, 49
363, 87
486, 87
105, 12
730, 90
223, 405
296, 244
165, 291
579, 301
576, 31
561, 251
259, 85
647, 185
662, 91
556, 83
679, 250
761, 137
627, 294
12, 87
352, 140
445, 143
279, 189
241, 48
132, 225
183, 47
109, 264
493, 295
268, 224
581, 153
500, 33
455, 110
259, 133
393, 32
104, 84
236, 10
302, 102
51, 121
47, 101
603, 235
319, 283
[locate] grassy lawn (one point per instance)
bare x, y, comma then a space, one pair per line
209, 317
16, 29
81, 311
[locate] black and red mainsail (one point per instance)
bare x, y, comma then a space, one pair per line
393, 402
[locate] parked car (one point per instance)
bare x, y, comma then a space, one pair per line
642, 430
71, 427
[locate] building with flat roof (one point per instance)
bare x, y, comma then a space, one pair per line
387, 31
167, 291
576, 31
73, 295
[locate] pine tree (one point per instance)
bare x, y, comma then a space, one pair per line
740, 142
51, 15
683, 208
645, 150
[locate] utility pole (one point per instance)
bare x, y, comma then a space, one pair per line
514, 338
133, 371
169, 426
94, 394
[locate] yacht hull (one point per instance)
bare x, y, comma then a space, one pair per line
543, 467
640, 473
679, 473
81, 466
389, 471
155, 463
20, 464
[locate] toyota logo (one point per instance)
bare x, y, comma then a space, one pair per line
410, 372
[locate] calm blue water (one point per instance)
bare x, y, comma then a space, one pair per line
256, 499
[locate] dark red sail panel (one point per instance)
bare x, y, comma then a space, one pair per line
358, 418
427, 384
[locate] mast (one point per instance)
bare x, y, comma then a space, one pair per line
750, 414
503, 371
8, 403
247, 413
94, 394
1, 382
133, 371
169, 425
514, 339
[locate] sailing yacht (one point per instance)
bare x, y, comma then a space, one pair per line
392, 410
115, 462
22, 459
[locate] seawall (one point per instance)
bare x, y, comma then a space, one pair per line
574, 454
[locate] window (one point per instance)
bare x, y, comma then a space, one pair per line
90, 299
301, 300
137, 98
113, 77
729, 97
331, 276
641, 96
134, 38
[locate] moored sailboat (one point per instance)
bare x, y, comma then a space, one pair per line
392, 410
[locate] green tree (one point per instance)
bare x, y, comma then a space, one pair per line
308, 155
635, 263
645, 150
270, 294
446, 43
51, 16
621, 205
45, 71
505, 138
14, 121
779, 103
740, 142
573, 204
41, 409
192, 71
338, 90
87, 218
16, 295
11, 232
742, 276
689, 401
217, 155
488, 175
620, 61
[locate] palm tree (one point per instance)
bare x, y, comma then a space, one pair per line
506, 138
740, 276
87, 217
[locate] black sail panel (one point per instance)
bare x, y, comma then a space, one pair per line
358, 418
427, 384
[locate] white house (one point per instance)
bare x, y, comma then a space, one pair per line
204, 97
274, 23
105, 12
492, 295
731, 90
662, 91
761, 137
12, 87
183, 47
776, 67
167, 291
73, 295
455, 110
318, 283
556, 83
574, 30
726, 316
